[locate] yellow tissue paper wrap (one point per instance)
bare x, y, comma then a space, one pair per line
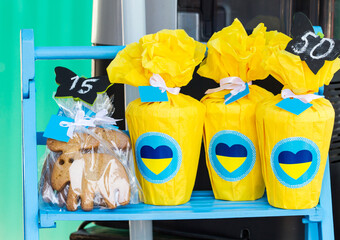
169, 53
181, 118
295, 74
166, 136
232, 53
229, 130
236, 118
294, 148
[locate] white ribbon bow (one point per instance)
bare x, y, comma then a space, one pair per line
235, 84
156, 80
79, 120
306, 98
101, 118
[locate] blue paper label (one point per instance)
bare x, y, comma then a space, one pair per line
152, 94
295, 161
158, 157
55, 131
232, 155
294, 105
238, 96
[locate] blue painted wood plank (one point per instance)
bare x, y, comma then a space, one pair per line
77, 52
41, 140
27, 59
202, 205
29, 153
327, 228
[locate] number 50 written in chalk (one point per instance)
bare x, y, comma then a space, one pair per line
307, 47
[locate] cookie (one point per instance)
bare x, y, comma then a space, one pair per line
116, 138
88, 175
80, 141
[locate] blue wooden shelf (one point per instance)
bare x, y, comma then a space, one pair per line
318, 221
202, 205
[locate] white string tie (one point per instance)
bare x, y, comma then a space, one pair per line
306, 98
235, 84
156, 80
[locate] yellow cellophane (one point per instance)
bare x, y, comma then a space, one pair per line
275, 124
238, 116
173, 55
182, 119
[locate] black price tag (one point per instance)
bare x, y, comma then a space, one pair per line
85, 89
311, 48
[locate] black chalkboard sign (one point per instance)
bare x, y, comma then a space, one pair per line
85, 89
309, 46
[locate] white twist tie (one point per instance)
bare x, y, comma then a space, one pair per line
306, 98
235, 84
101, 118
156, 80
79, 120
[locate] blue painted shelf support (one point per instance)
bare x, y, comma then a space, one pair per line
202, 205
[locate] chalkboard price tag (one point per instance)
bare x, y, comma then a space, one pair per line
311, 48
85, 89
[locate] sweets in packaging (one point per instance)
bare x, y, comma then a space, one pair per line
93, 167
294, 146
235, 60
166, 135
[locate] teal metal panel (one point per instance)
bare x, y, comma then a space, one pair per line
56, 23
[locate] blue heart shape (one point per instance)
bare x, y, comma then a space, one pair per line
159, 153
287, 157
236, 150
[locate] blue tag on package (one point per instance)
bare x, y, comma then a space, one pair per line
294, 105
152, 94
236, 97
55, 129
58, 131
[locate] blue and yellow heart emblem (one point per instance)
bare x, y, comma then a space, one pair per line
231, 154
295, 165
295, 161
158, 157
232, 157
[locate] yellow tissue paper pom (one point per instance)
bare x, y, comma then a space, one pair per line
232, 53
295, 74
169, 53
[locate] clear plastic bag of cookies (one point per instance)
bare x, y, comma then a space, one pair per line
94, 167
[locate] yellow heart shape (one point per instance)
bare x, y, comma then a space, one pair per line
157, 165
231, 163
295, 170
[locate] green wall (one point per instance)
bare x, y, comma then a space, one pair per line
55, 23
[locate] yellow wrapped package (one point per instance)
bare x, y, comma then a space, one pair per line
294, 147
235, 60
166, 135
